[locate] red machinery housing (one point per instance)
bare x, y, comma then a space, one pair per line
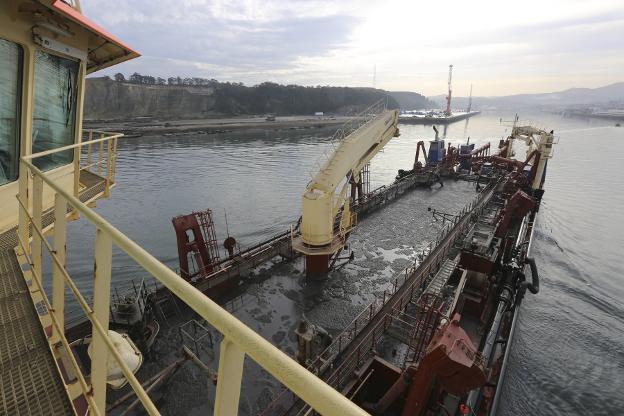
197, 241
451, 364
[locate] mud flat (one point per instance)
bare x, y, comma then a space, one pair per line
146, 126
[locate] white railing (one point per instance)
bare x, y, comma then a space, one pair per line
239, 340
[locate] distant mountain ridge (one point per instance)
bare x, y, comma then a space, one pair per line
613, 93
107, 99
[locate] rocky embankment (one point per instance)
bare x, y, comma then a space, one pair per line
106, 99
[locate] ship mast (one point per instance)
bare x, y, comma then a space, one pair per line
375, 76
448, 97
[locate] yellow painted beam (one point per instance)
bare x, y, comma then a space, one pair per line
37, 215
101, 305
229, 376
60, 248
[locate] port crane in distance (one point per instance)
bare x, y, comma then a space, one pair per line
327, 218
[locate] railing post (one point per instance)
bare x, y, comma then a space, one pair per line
60, 238
101, 304
37, 214
23, 212
114, 175
109, 154
89, 150
100, 155
230, 375
77, 159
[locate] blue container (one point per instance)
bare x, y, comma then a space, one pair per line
465, 150
436, 152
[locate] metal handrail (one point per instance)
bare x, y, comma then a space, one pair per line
239, 340
89, 313
57, 325
70, 146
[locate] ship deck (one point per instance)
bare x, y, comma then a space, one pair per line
31, 382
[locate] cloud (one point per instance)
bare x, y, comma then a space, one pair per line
553, 45
222, 37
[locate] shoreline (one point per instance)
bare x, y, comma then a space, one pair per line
152, 127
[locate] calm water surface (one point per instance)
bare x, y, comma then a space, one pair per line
568, 353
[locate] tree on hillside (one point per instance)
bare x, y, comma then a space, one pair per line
119, 77
136, 78
148, 80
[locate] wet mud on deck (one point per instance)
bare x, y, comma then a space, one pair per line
274, 299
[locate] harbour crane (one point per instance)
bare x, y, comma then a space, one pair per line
327, 218
450, 93
539, 149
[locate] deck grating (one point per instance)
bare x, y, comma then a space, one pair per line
30, 383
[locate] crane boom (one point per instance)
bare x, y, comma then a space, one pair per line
536, 140
324, 205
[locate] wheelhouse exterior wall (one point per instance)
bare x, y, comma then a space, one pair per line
16, 22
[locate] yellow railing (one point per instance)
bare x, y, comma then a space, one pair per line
99, 154
239, 340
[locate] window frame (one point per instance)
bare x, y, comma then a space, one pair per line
17, 146
76, 118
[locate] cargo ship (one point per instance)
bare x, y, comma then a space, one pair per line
436, 343
446, 116
434, 116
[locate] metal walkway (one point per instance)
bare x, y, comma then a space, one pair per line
30, 383
442, 276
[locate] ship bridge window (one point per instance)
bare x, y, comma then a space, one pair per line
10, 93
54, 110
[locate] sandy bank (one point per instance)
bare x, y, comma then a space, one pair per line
148, 126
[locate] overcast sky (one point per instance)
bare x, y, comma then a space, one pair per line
502, 47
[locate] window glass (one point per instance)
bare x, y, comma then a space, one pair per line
54, 111
10, 92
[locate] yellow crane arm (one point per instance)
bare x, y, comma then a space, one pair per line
536, 139
320, 202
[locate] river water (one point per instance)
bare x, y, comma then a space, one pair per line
568, 353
